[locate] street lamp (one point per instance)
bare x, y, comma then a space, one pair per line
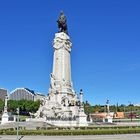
17, 122
131, 115
108, 110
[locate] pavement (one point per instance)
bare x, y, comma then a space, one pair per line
89, 137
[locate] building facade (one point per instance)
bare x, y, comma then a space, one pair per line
22, 94
26, 94
3, 93
39, 96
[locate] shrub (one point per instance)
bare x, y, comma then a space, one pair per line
71, 132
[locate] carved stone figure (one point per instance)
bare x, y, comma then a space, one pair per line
52, 81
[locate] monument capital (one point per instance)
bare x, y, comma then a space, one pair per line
62, 40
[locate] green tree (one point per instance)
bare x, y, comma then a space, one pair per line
88, 108
24, 105
1, 105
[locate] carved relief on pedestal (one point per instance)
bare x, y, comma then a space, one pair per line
52, 85
62, 41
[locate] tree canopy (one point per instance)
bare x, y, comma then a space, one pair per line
25, 106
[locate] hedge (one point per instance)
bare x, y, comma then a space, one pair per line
87, 128
71, 132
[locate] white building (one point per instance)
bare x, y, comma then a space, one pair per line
3, 93
39, 96
22, 94
25, 94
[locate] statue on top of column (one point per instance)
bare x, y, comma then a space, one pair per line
62, 23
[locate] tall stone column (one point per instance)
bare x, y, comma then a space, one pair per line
61, 73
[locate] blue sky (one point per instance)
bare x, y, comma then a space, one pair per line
105, 54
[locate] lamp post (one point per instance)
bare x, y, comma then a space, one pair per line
17, 123
108, 110
131, 115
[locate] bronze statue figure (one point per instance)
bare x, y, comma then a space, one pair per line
62, 23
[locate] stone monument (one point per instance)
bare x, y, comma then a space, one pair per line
108, 118
5, 116
62, 107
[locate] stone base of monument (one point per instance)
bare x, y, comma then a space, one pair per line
108, 119
80, 121
70, 121
82, 117
6, 118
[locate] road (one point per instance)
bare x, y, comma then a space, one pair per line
91, 137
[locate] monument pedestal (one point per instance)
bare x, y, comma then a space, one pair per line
108, 119
5, 118
82, 119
